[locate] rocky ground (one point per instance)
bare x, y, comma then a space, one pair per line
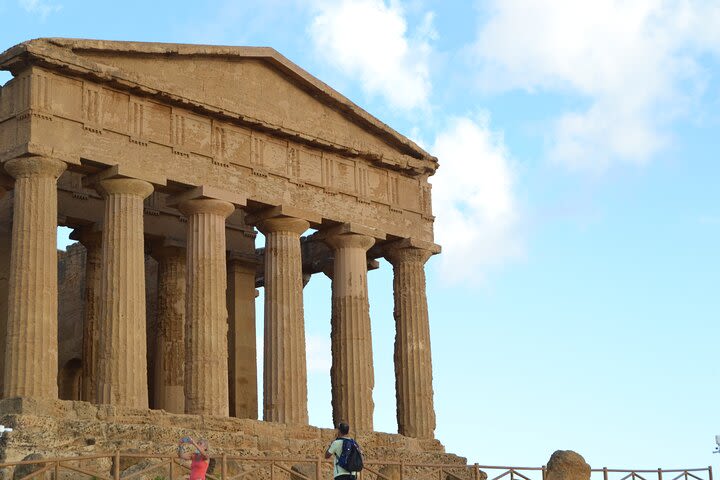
48, 429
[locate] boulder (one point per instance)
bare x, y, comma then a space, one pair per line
567, 465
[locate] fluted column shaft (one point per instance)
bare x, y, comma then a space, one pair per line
285, 368
413, 360
242, 359
92, 241
169, 374
122, 352
351, 373
31, 347
206, 350
6, 214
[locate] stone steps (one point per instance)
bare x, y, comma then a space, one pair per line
48, 429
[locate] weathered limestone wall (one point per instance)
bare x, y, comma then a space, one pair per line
71, 283
55, 428
71, 295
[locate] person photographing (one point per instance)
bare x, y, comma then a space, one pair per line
346, 454
200, 459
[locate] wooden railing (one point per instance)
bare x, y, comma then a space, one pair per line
109, 466
539, 473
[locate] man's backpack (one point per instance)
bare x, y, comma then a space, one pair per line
351, 457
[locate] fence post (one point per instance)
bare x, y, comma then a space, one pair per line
544, 471
710, 472
659, 473
605, 473
57, 470
476, 472
117, 465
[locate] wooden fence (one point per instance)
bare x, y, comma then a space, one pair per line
129, 466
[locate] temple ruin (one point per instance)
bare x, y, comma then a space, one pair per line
178, 153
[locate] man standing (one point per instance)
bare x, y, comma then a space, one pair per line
343, 443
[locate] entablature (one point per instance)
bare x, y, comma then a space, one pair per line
92, 126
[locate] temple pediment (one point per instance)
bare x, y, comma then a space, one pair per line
255, 86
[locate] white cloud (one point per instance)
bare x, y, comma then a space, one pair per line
369, 39
40, 7
319, 354
474, 199
636, 63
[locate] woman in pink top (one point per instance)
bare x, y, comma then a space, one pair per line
200, 460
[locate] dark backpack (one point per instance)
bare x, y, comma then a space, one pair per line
351, 457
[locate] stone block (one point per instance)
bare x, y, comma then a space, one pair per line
304, 471
390, 472
272, 444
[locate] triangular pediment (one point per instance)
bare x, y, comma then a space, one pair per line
251, 82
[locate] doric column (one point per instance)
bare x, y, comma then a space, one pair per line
92, 241
285, 369
206, 360
31, 340
242, 359
6, 214
169, 374
413, 361
351, 373
122, 353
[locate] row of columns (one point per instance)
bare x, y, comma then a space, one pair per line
114, 346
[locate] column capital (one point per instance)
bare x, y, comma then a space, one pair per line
349, 240
409, 250
206, 205
283, 224
128, 186
36, 166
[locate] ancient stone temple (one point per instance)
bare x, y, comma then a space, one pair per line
175, 155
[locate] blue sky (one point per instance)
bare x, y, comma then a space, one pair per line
575, 305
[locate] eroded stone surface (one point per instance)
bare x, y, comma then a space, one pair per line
169, 365
206, 358
84, 428
122, 360
92, 241
413, 361
285, 370
567, 465
242, 341
31, 336
162, 142
352, 375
